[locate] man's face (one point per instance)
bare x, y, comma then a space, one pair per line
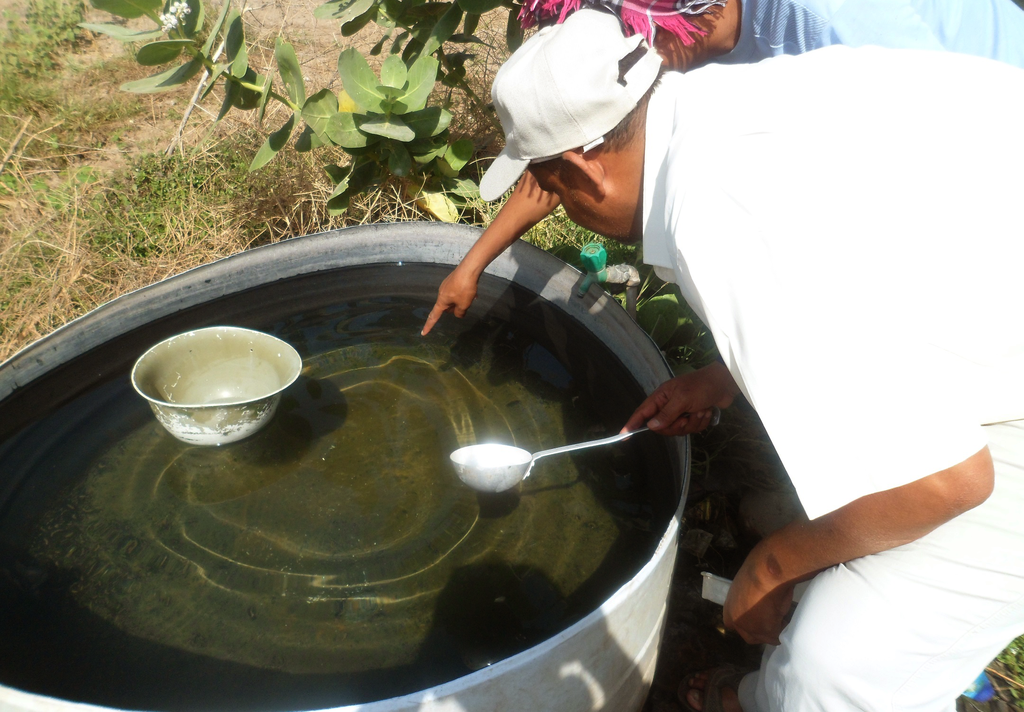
612, 211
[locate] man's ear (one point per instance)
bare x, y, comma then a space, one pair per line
591, 170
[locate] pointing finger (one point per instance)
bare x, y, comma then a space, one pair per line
432, 319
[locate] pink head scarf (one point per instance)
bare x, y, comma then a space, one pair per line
638, 16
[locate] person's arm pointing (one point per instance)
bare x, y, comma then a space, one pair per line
527, 206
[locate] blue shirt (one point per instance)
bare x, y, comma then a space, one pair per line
985, 28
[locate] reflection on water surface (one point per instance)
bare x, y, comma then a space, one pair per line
333, 557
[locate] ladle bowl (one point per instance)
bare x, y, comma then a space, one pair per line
216, 385
493, 467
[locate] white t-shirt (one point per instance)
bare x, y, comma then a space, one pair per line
857, 251
984, 28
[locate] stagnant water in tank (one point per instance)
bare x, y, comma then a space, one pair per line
334, 557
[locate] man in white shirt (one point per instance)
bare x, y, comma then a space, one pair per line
743, 31
856, 252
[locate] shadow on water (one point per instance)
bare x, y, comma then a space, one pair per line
492, 610
488, 612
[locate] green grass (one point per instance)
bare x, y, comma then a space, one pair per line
1007, 673
33, 42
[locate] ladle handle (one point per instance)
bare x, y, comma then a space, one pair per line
589, 443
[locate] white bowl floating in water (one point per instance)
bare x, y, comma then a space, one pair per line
215, 385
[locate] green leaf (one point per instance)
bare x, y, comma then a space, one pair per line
307, 140
422, 76
264, 97
336, 207
390, 94
162, 52
399, 160
122, 34
359, 80
431, 143
660, 317
212, 80
459, 154
394, 73
412, 50
248, 99
354, 26
193, 20
342, 10
430, 11
446, 170
165, 81
274, 143
387, 126
428, 122
424, 155
471, 23
465, 38
513, 33
365, 173
343, 131
231, 92
362, 175
372, 150
318, 110
215, 30
480, 6
339, 177
462, 187
291, 72
444, 29
234, 45
397, 44
384, 21
128, 9
338, 201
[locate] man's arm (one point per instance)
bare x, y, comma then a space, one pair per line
762, 592
526, 207
683, 405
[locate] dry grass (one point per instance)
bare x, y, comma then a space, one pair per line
89, 212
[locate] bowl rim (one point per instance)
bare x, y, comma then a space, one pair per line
204, 406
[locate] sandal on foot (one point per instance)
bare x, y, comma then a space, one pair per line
711, 696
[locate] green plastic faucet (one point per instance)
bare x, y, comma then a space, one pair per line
593, 256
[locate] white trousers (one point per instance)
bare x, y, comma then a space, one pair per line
910, 628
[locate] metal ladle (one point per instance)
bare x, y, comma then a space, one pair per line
491, 467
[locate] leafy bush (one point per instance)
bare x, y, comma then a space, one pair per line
383, 122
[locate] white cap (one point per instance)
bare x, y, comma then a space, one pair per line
564, 89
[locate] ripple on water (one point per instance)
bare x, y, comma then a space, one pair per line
330, 541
